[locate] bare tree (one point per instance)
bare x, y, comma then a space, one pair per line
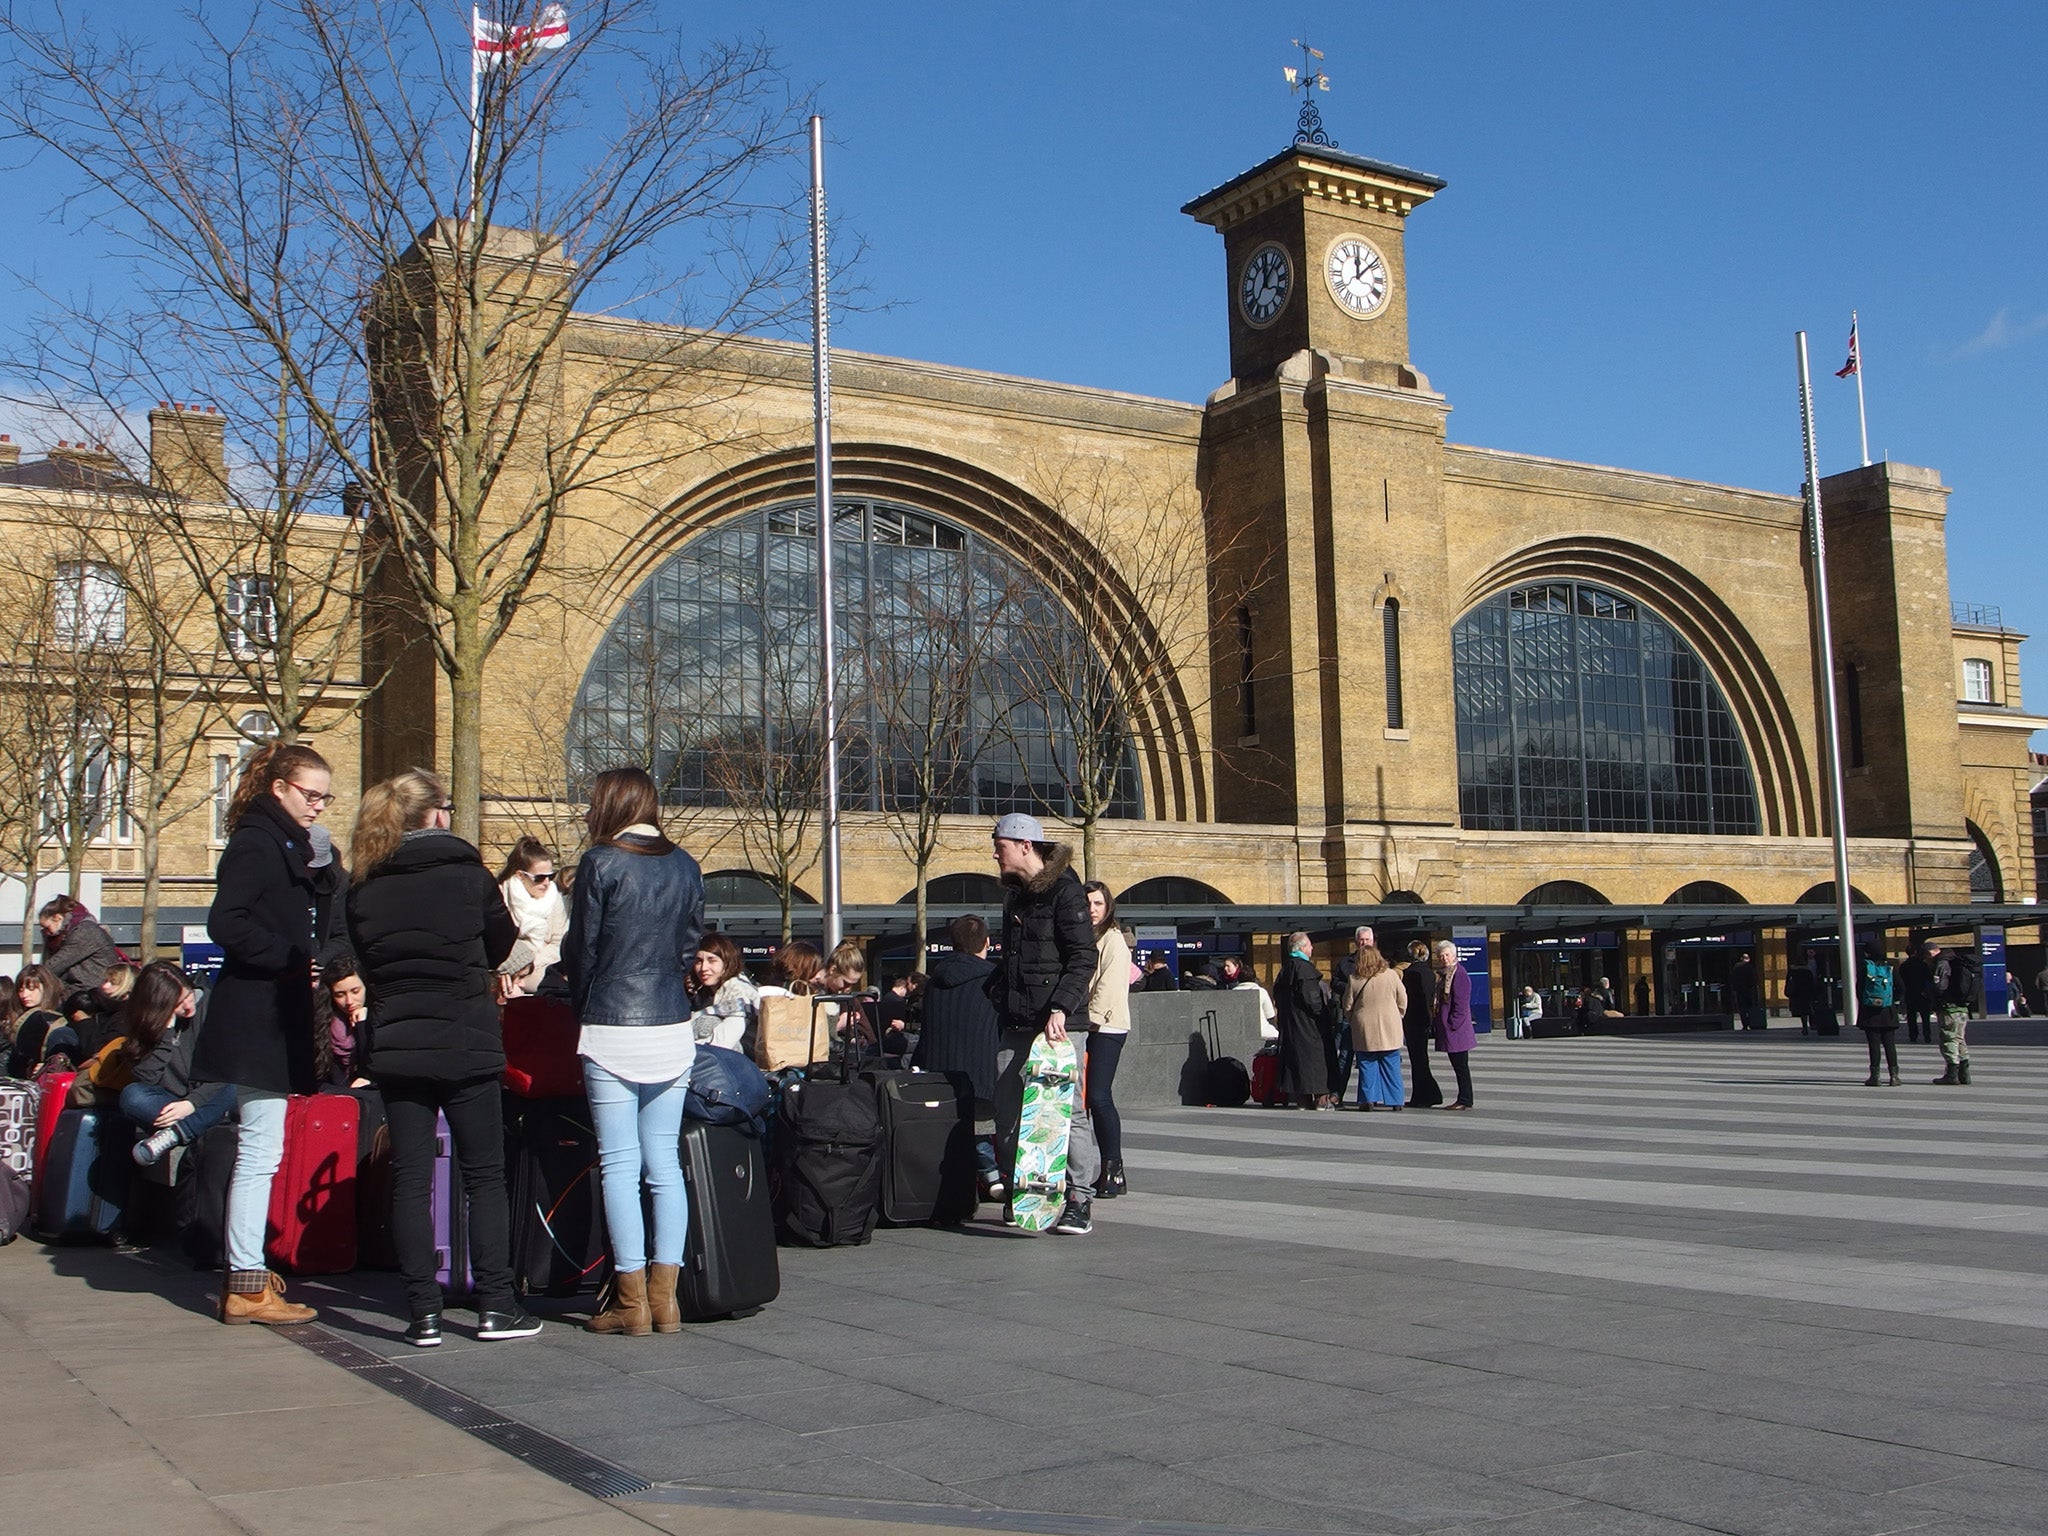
616, 174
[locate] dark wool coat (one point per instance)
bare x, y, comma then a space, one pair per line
1301, 1004
428, 927
960, 1028
271, 915
82, 955
635, 920
1048, 948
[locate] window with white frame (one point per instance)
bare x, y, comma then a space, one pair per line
91, 604
249, 604
1977, 681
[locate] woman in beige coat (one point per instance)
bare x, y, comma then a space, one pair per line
1374, 1000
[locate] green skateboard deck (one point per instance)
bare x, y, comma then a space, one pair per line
1038, 1188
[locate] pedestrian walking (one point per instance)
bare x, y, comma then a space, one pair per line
1915, 987
1041, 987
1374, 1000
1455, 1036
277, 899
635, 922
1418, 1025
428, 927
1109, 1026
1302, 1001
1875, 1016
1956, 977
1802, 987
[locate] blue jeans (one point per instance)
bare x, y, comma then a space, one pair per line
143, 1102
257, 1155
640, 1126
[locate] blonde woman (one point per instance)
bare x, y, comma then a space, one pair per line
1375, 998
429, 928
1109, 1026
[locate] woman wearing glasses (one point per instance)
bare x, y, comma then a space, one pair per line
429, 929
274, 907
534, 897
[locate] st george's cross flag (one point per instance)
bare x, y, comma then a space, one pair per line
495, 42
1854, 364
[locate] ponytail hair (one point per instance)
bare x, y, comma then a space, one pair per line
265, 767
390, 809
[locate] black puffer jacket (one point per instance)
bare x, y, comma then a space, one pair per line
634, 922
1048, 948
959, 1033
428, 927
271, 914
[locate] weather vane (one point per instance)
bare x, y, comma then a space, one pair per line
1308, 127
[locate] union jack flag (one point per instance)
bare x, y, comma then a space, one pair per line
1852, 366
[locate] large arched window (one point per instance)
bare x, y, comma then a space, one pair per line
963, 680
1579, 710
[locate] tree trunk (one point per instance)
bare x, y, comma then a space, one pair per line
1088, 849
466, 722
32, 868
923, 915
783, 890
152, 883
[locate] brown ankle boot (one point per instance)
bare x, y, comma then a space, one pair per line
661, 1297
628, 1313
257, 1296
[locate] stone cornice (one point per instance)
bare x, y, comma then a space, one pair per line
1349, 181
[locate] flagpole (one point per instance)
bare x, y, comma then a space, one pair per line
476, 127
828, 670
1844, 918
1862, 421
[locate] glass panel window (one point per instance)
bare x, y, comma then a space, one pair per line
249, 604
91, 604
1977, 681
1577, 710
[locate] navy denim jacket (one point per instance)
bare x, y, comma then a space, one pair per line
634, 922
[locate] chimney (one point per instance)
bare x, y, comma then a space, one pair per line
88, 463
188, 451
10, 452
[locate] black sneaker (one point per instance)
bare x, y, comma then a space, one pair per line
424, 1332
1074, 1220
506, 1325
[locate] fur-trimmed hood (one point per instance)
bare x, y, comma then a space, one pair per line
1057, 863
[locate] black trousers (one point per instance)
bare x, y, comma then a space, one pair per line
1463, 1069
1104, 1051
1923, 1020
1424, 1093
1883, 1041
476, 1124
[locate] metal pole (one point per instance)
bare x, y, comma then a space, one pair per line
1844, 919
828, 669
476, 126
1862, 421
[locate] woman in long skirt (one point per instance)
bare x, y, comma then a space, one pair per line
1375, 999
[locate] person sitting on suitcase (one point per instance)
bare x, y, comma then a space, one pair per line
161, 1020
1041, 987
959, 1035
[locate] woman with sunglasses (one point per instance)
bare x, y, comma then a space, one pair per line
274, 909
534, 897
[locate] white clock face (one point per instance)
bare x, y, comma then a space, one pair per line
1358, 277
1268, 280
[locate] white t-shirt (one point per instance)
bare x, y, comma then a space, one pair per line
640, 1053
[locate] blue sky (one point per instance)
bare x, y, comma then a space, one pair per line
1645, 201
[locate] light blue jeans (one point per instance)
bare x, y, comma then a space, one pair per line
640, 1126
257, 1154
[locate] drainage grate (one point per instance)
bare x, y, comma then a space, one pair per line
557, 1458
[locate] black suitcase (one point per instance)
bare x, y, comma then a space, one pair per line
928, 1121
558, 1232
86, 1174
830, 1148
729, 1263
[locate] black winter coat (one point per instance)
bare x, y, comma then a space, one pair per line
428, 927
1048, 949
271, 915
1301, 1004
1916, 983
960, 1025
635, 920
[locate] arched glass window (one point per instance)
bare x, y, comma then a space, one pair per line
1390, 640
958, 674
1987, 883
1579, 710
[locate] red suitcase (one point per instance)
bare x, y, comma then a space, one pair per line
540, 1049
53, 1090
1266, 1076
313, 1198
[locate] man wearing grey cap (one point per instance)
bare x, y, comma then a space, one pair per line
1041, 983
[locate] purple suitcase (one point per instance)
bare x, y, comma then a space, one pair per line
451, 1216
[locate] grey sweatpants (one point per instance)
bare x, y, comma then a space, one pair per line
1084, 1163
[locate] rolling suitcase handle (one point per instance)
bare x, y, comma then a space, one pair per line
846, 1062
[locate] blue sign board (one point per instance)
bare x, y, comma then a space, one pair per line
1471, 943
1991, 947
201, 963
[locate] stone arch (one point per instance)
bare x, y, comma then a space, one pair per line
1706, 893
1562, 893
970, 889
1173, 891
1784, 786
1163, 723
1987, 871
1823, 895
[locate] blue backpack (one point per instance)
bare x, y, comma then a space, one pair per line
1877, 985
727, 1089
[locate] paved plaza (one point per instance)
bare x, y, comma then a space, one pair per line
1651, 1286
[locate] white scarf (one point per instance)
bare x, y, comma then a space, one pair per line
540, 918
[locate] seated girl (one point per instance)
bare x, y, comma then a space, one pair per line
37, 994
345, 1013
161, 1018
723, 998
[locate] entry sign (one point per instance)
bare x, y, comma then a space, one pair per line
1471, 943
1991, 950
1161, 939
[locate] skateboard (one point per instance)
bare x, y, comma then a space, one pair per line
1038, 1187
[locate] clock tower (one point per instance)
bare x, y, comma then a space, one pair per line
1312, 243
1323, 469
